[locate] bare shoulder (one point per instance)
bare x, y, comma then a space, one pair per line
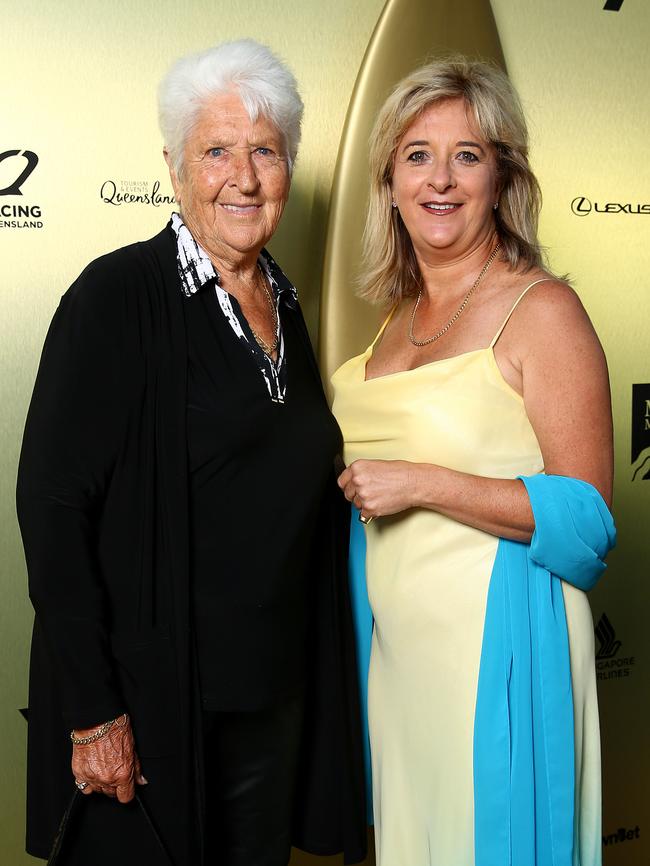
551, 314
551, 297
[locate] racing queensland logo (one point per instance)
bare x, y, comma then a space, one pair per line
641, 432
610, 662
16, 210
582, 206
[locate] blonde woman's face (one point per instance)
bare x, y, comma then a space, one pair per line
445, 182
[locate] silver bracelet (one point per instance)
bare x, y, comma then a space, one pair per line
99, 733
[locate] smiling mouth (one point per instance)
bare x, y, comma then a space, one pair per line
440, 207
241, 209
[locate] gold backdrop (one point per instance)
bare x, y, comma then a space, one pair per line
78, 92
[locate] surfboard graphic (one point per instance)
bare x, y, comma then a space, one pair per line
408, 32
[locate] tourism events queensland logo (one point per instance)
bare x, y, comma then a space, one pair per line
641, 432
17, 211
135, 192
610, 662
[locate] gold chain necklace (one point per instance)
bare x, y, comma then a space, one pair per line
267, 348
458, 312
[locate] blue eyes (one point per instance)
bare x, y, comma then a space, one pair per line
263, 158
261, 153
422, 157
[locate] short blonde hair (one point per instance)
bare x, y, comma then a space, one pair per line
390, 269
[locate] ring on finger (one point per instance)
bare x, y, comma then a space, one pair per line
365, 520
81, 785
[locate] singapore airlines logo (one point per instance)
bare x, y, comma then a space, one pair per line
30, 163
606, 636
609, 664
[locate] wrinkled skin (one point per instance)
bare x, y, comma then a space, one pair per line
110, 765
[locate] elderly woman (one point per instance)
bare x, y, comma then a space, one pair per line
478, 435
179, 511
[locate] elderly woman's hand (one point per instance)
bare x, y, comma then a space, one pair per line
110, 765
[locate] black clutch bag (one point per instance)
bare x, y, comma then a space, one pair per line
70, 817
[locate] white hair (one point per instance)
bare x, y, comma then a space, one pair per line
266, 86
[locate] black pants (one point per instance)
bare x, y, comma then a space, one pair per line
250, 768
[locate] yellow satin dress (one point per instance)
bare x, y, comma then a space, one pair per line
428, 578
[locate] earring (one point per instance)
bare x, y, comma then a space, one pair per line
394, 203
495, 205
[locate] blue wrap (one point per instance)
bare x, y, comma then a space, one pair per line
362, 616
523, 726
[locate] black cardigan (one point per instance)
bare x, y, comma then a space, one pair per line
102, 503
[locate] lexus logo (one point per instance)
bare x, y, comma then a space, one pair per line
31, 162
581, 206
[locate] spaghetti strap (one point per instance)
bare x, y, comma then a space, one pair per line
382, 329
514, 307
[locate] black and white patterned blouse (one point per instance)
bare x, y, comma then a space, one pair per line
196, 271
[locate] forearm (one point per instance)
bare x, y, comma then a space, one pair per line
498, 506
382, 487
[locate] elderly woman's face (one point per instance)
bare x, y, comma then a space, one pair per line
445, 181
235, 180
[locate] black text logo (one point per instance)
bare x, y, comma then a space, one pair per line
606, 635
18, 165
118, 193
622, 835
581, 206
641, 432
31, 161
608, 664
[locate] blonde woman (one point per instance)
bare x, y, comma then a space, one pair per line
478, 444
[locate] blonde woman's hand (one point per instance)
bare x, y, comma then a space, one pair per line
380, 487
